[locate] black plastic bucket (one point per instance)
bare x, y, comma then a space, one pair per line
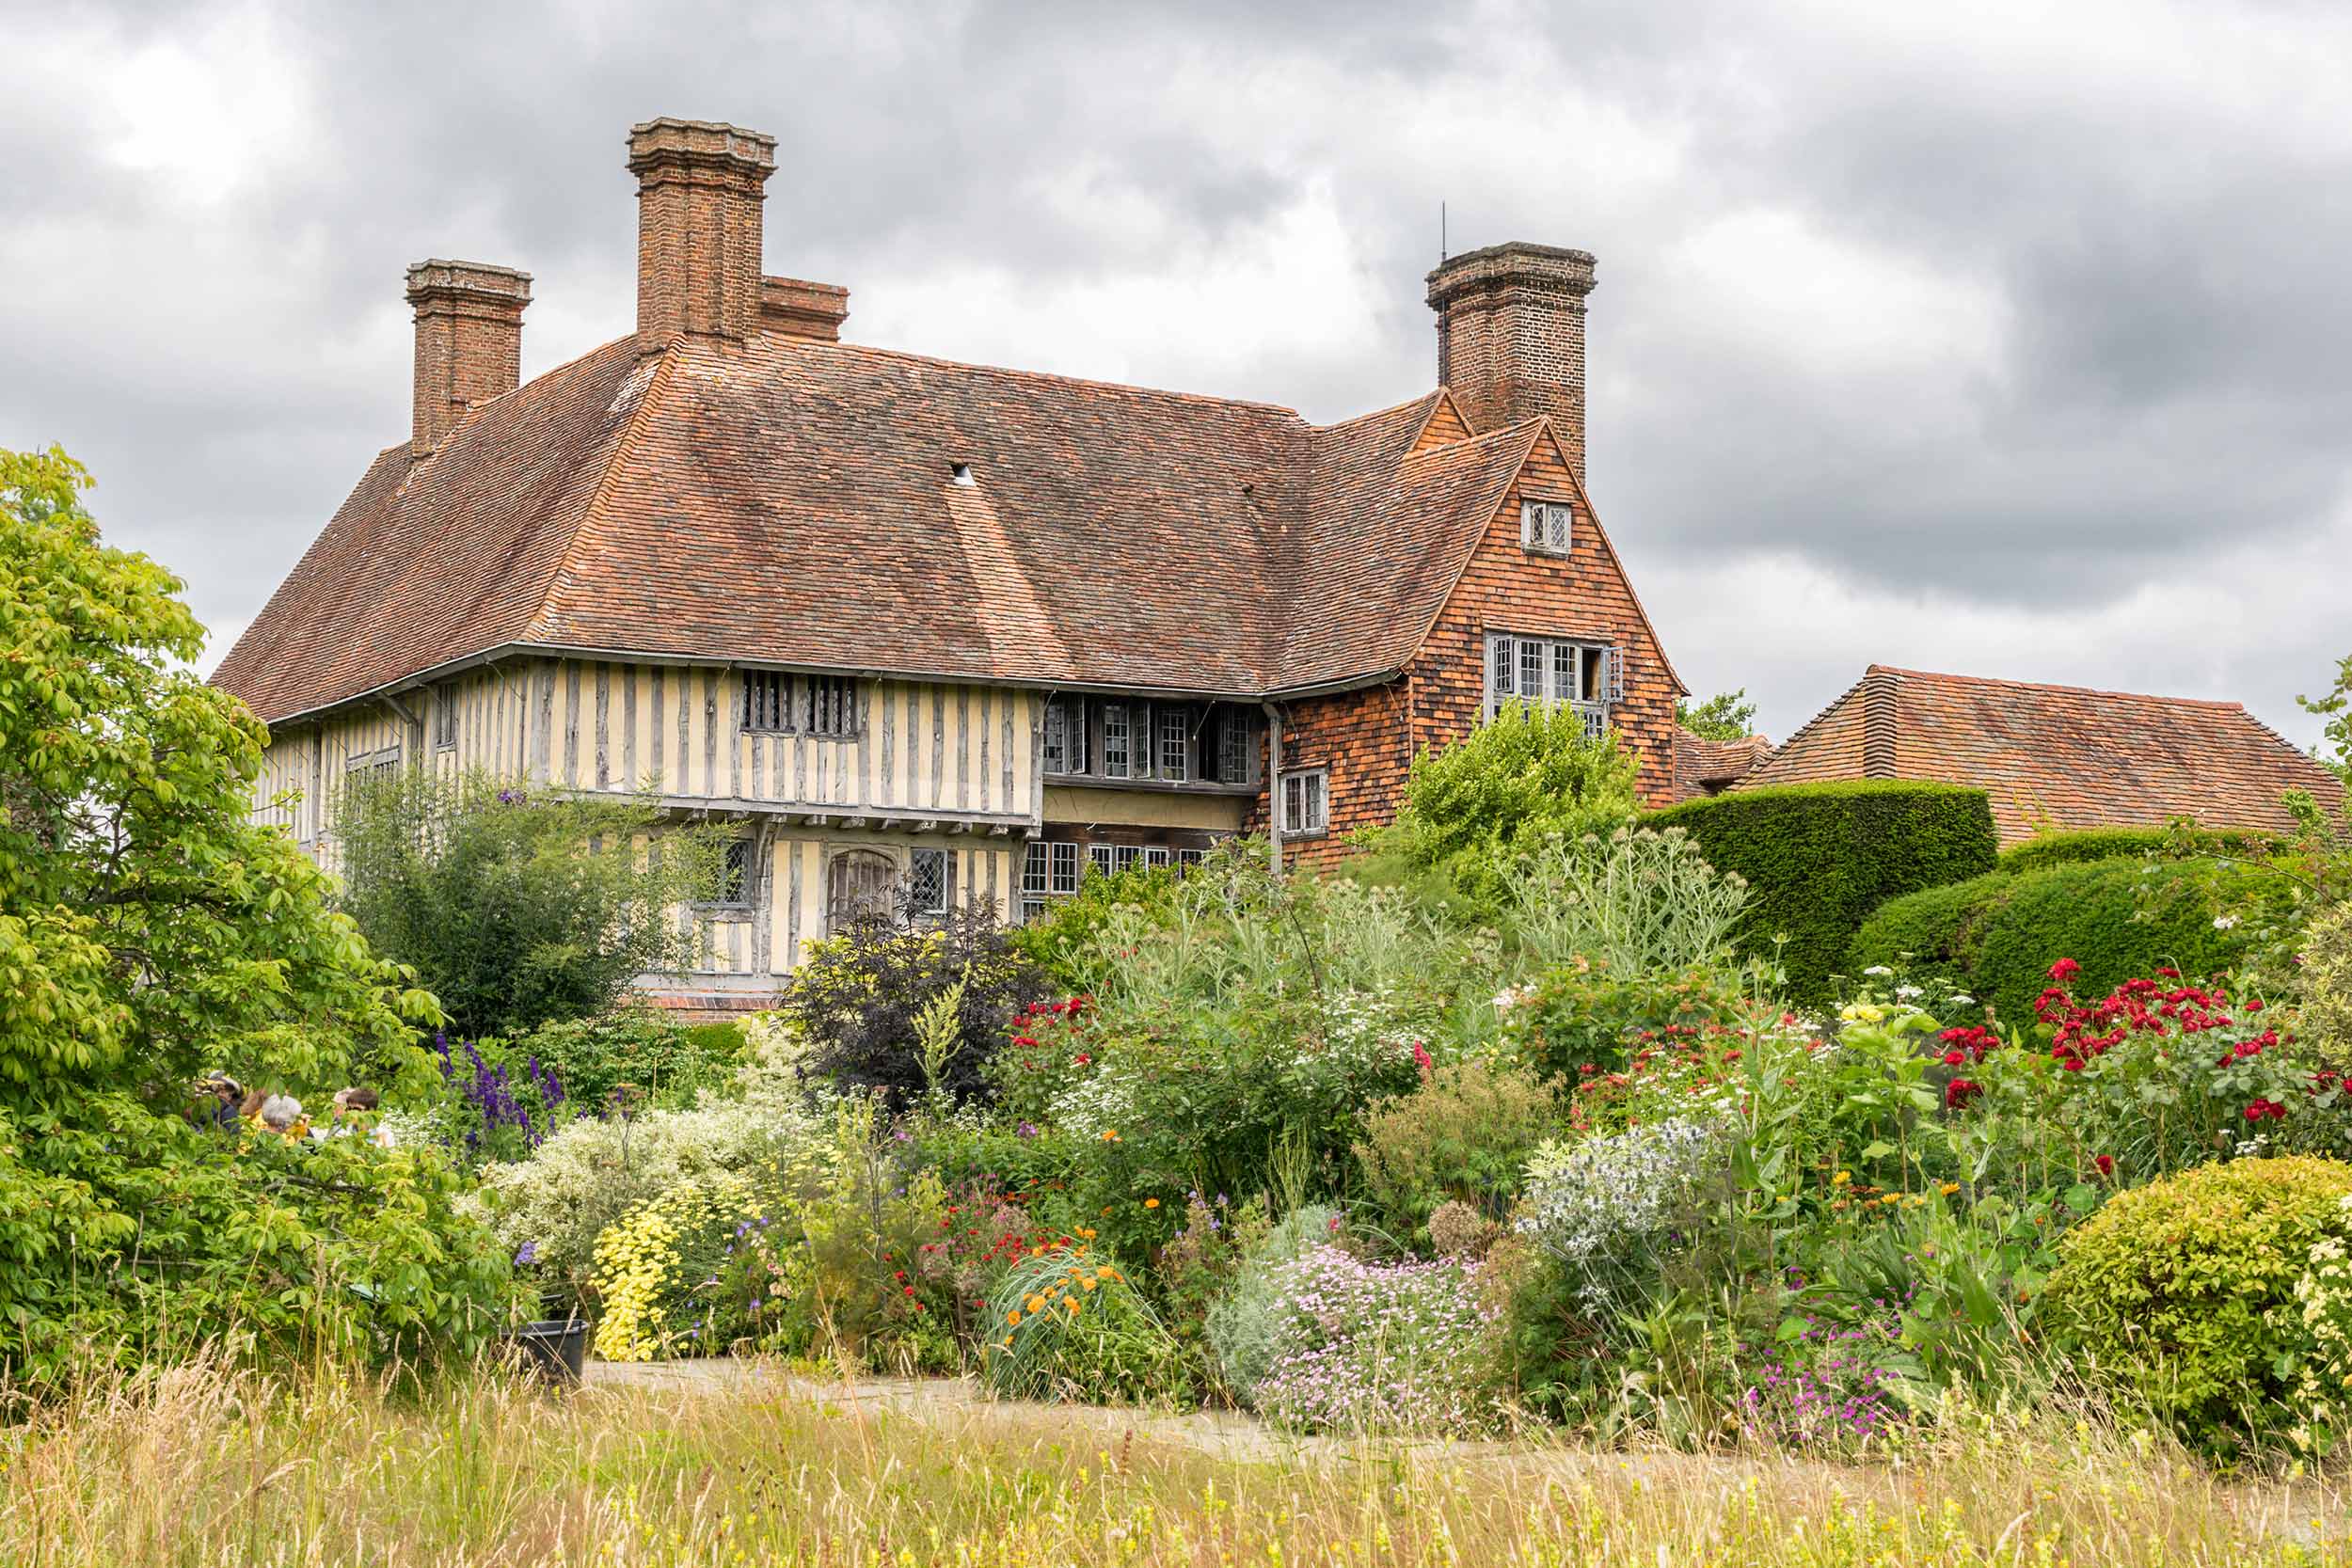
555, 1349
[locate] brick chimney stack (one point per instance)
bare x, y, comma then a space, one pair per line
699, 190
1511, 337
469, 340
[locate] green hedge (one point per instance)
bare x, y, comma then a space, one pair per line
2100, 844
1820, 857
1996, 936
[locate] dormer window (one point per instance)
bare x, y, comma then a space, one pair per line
1547, 525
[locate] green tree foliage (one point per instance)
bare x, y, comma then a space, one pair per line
151, 931
1472, 808
517, 905
1726, 716
2335, 705
1819, 858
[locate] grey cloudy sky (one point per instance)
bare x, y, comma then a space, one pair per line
2005, 338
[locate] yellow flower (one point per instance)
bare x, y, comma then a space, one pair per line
1009, 1341
1036, 1304
1086, 1284
1102, 1273
1949, 1188
1841, 1179
1150, 1203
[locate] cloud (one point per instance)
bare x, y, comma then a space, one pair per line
2006, 340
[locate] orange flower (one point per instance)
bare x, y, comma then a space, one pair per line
1102, 1273
1011, 1318
1150, 1203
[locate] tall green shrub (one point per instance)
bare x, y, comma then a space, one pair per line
517, 905
1818, 858
1504, 790
1996, 936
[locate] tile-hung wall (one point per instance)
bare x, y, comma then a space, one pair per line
922, 751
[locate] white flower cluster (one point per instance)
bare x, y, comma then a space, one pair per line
2323, 1310
1586, 1200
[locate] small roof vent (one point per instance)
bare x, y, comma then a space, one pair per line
961, 473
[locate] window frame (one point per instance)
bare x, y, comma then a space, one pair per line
946, 883
444, 720
1596, 674
1548, 525
737, 880
778, 702
1126, 712
1171, 722
1313, 786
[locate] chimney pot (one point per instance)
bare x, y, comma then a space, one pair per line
699, 189
469, 340
1511, 337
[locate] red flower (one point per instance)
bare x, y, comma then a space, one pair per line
2262, 1108
1955, 1058
1421, 1057
909, 1289
1025, 1040
1959, 1091
2065, 969
2105, 1163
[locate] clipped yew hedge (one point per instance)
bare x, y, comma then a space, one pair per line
2075, 846
1819, 858
1996, 936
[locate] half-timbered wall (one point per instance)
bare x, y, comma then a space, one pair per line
930, 766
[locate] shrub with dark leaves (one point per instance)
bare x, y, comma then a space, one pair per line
858, 995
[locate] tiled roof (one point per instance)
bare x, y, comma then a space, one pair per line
2055, 756
1704, 767
793, 501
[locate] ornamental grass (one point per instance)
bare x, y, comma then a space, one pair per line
201, 1468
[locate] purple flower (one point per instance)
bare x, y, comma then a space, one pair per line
527, 1254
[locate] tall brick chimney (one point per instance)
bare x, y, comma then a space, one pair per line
469, 340
699, 189
1511, 337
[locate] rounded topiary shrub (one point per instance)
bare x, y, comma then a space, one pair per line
2181, 1294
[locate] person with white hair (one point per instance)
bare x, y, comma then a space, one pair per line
281, 1113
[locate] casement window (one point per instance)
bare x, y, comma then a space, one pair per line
824, 707
1188, 859
1547, 526
735, 877
1126, 856
1306, 803
1062, 868
444, 720
1064, 743
1033, 869
927, 881
367, 770
1174, 723
1117, 742
1236, 749
1154, 855
1549, 672
1099, 859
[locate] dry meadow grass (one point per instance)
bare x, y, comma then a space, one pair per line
201, 1468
